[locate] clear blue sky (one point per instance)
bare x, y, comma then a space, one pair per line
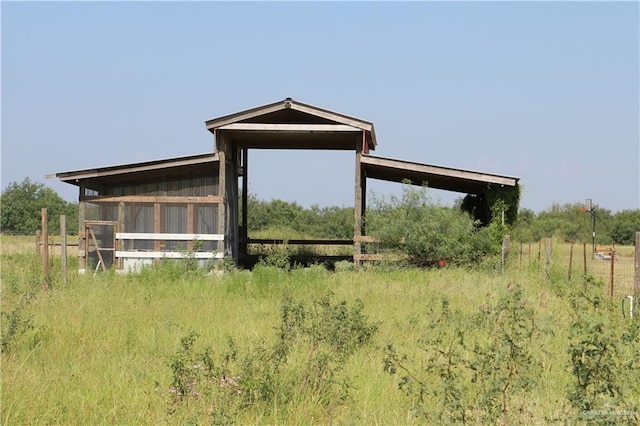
545, 91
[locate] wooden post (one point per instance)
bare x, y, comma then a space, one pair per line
63, 246
156, 228
636, 279
357, 208
613, 261
190, 225
245, 204
505, 250
520, 258
221, 144
45, 250
120, 244
570, 259
547, 254
538, 263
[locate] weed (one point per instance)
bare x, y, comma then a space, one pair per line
603, 353
460, 384
304, 363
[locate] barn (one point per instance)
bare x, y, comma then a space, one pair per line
195, 206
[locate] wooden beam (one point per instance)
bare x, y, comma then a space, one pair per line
134, 168
211, 199
378, 257
157, 255
157, 208
221, 143
299, 242
63, 246
45, 250
190, 225
244, 115
357, 207
168, 236
366, 239
245, 202
362, 125
438, 170
294, 128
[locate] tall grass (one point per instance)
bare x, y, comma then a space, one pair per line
100, 349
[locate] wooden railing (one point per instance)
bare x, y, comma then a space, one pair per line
159, 254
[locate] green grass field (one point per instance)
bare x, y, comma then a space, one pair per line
380, 345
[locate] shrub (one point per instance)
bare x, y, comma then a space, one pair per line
475, 368
427, 232
304, 364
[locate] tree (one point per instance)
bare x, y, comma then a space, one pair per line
427, 232
625, 225
21, 205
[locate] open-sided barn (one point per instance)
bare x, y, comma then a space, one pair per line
196, 206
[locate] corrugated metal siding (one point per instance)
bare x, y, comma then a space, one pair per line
206, 222
198, 186
139, 217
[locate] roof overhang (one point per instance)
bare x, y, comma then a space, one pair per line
135, 171
438, 177
290, 124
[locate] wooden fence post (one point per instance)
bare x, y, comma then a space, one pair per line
63, 246
547, 255
539, 251
45, 251
505, 250
613, 261
570, 259
520, 258
636, 279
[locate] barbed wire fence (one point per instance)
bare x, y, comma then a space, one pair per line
618, 267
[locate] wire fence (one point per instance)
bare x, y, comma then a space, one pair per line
614, 265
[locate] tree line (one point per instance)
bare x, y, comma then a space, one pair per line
413, 212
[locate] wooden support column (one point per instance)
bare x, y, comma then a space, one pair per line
120, 243
636, 279
245, 203
222, 170
63, 246
82, 238
358, 208
45, 250
156, 228
190, 227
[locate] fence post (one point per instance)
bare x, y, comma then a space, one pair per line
520, 258
505, 249
613, 261
45, 251
63, 246
547, 254
539, 250
570, 259
636, 278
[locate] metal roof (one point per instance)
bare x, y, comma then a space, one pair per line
172, 166
437, 177
290, 124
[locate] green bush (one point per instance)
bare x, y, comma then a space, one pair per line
427, 232
302, 365
474, 368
